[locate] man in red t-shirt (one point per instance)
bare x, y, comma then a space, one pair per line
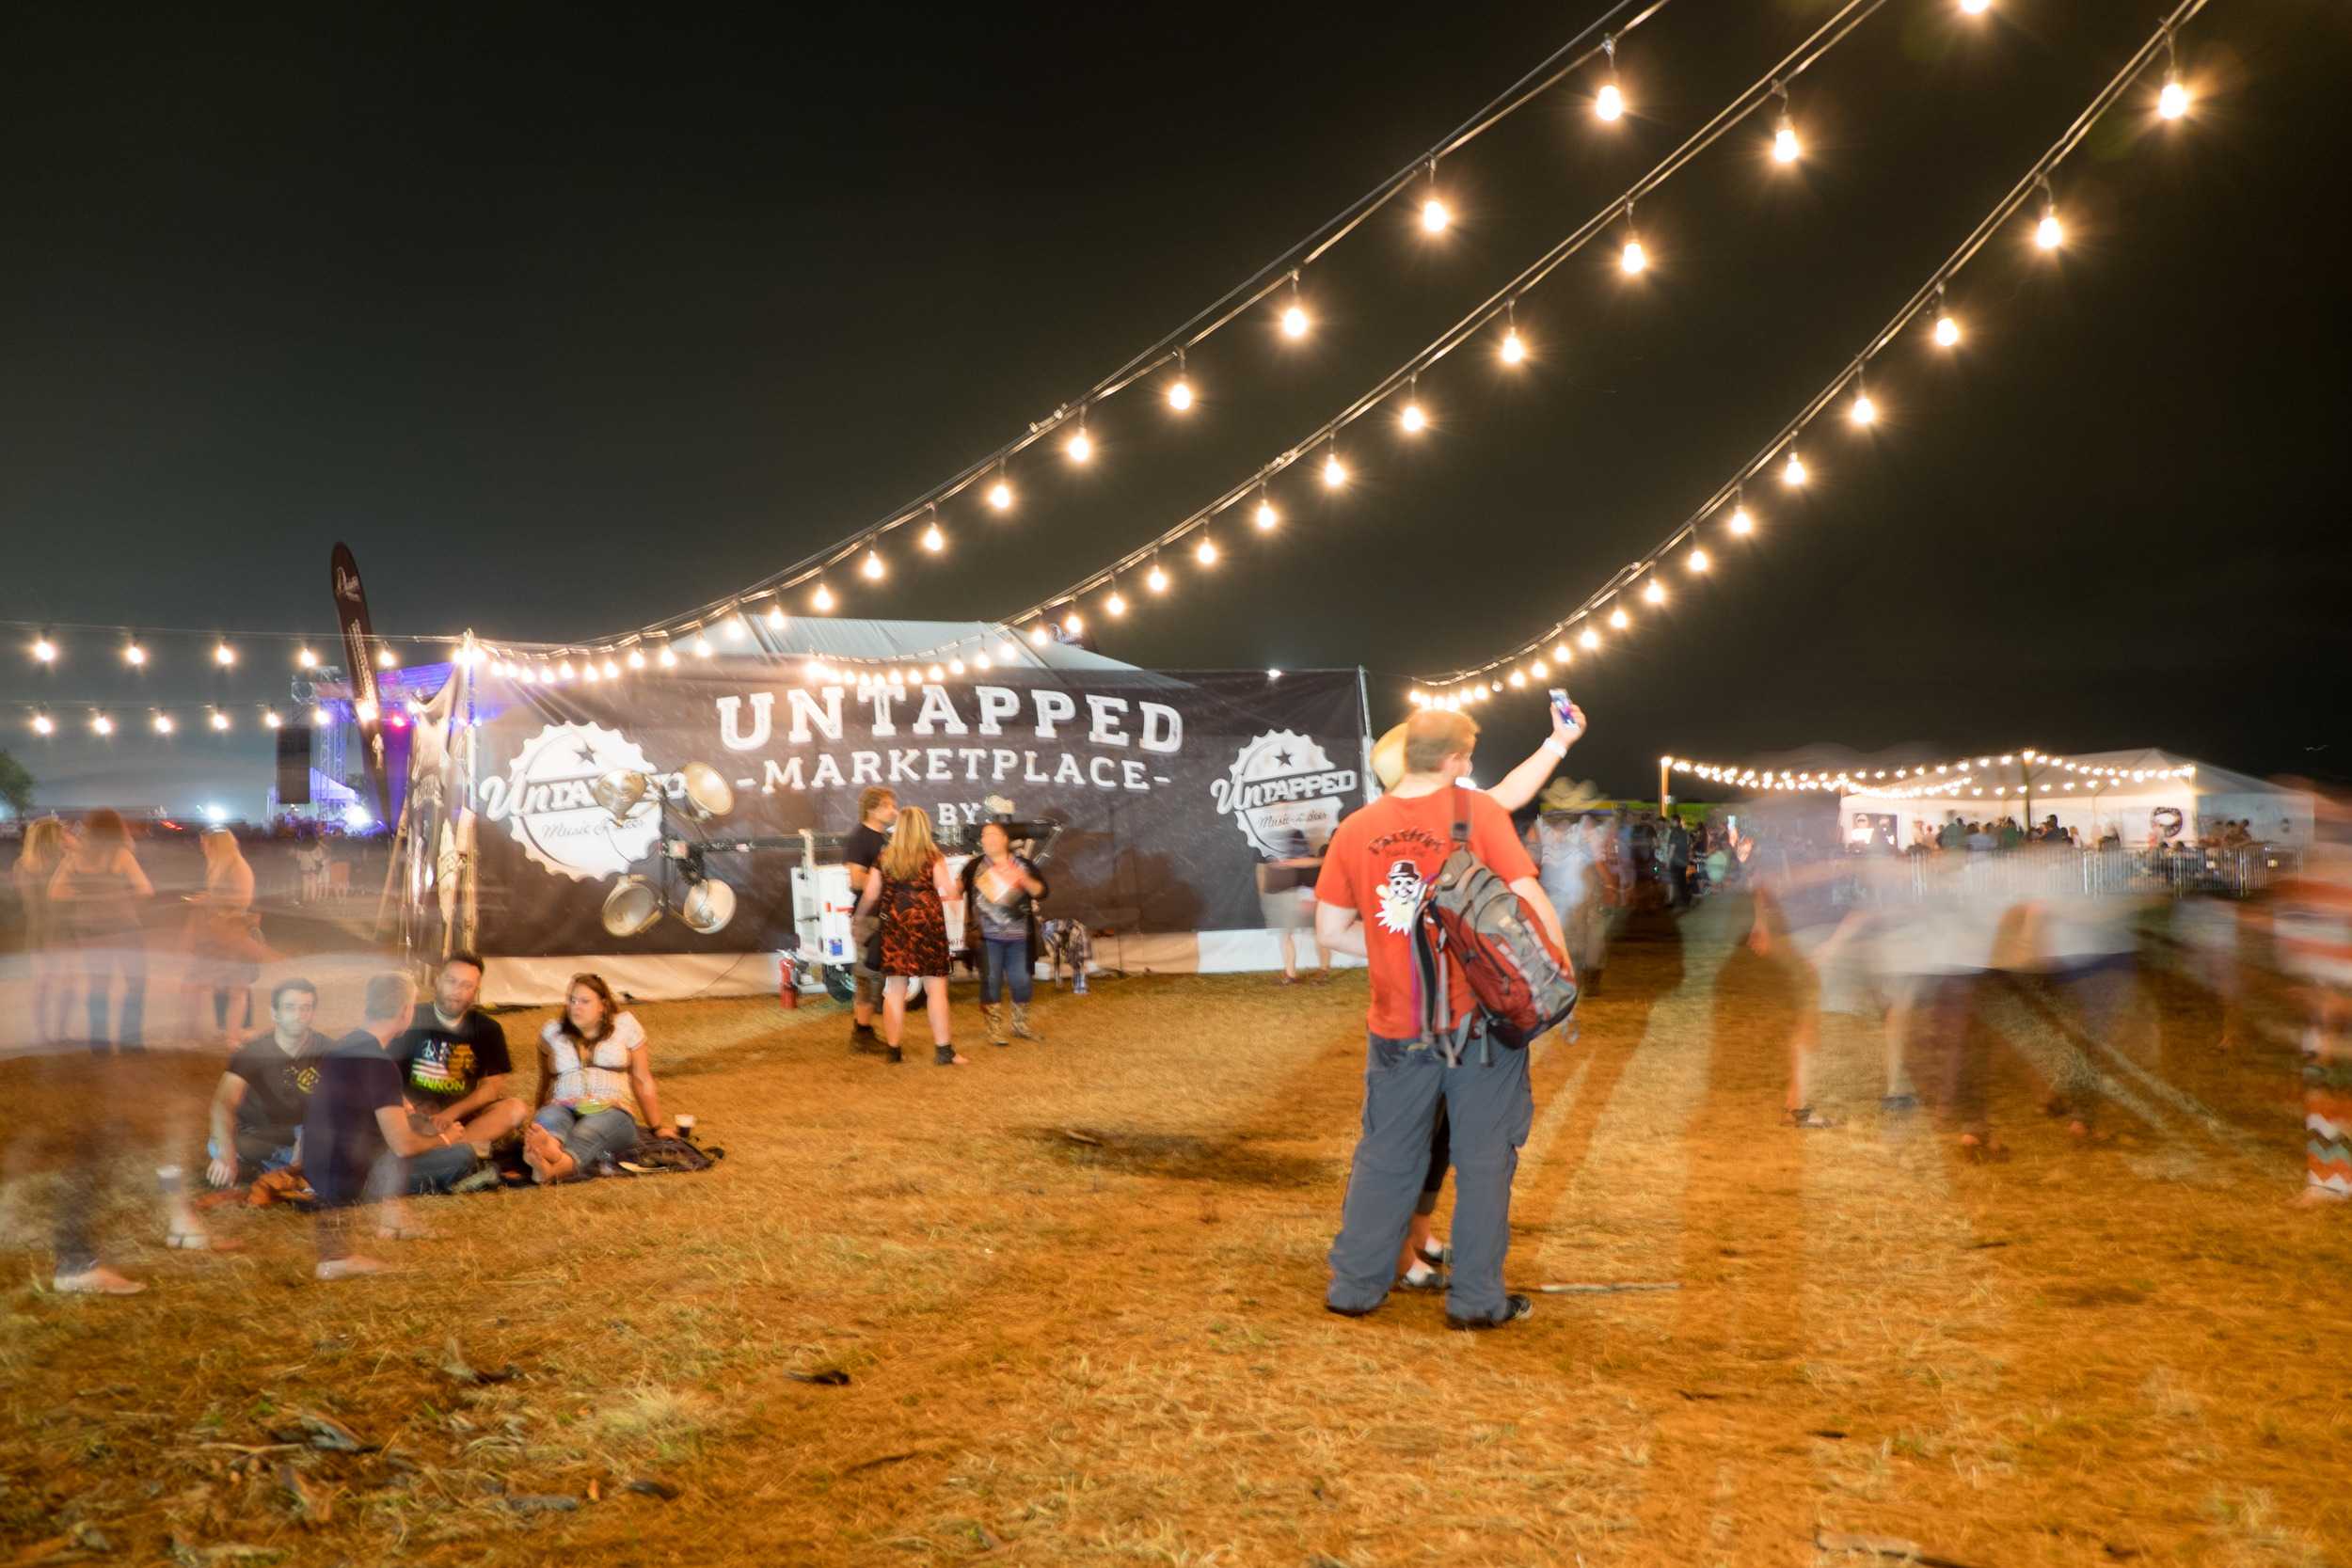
1366, 898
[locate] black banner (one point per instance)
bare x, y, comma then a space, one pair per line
351, 616
1171, 787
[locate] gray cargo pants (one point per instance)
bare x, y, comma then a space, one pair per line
1491, 1106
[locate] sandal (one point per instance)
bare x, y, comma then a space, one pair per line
1806, 1119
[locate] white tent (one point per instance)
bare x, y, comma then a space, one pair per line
2136, 793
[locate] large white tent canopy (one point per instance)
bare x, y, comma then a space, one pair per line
2136, 793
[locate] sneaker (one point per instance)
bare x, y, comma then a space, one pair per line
864, 1041
1514, 1308
354, 1267
1351, 1312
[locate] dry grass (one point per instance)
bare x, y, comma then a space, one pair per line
1113, 1352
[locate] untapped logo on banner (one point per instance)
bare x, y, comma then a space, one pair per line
1284, 784
546, 804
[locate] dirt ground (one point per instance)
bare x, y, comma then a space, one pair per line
1075, 1291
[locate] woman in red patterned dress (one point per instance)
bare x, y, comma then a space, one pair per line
910, 889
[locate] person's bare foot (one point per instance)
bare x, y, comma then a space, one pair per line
353, 1267
95, 1282
545, 1154
1986, 1148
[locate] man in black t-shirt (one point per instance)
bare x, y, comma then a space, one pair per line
877, 809
453, 1064
258, 1107
356, 1130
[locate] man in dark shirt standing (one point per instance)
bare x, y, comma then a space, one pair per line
453, 1064
877, 809
356, 1129
258, 1107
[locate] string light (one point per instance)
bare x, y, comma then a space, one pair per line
1947, 327
1619, 619
1205, 551
1631, 259
42, 725
1697, 560
1786, 149
320, 717
981, 661
1037, 634
306, 659
224, 656
164, 724
220, 720
1295, 314
1180, 391
1156, 578
1334, 471
1793, 473
1073, 622
385, 659
702, 646
270, 719
1654, 593
1609, 103
934, 540
1434, 216
668, 658
1975, 7
44, 650
1562, 655
1862, 411
1742, 520
776, 618
1412, 418
822, 599
1513, 350
1114, 606
1000, 493
134, 656
2049, 233
1591, 641
2172, 101
1080, 446
612, 671
871, 568
1266, 515
102, 725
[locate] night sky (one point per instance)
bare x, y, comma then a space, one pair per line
567, 322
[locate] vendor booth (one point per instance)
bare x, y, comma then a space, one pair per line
671, 815
2149, 798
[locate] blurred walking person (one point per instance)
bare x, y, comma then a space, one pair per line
356, 1132
909, 891
53, 990
1286, 902
97, 892
1000, 894
224, 951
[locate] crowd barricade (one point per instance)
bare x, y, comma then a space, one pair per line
2033, 872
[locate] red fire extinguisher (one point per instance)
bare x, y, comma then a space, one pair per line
788, 987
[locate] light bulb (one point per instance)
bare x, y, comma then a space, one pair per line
1538, 670
612, 671
224, 656
1334, 471
1591, 640
934, 673
1654, 593
563, 670
320, 717
1563, 653
306, 658
1794, 472
1180, 394
1434, 216
702, 647
1742, 522
822, 599
1295, 322
1156, 578
1618, 619
1610, 103
44, 650
1114, 606
1863, 410
1037, 634
134, 656
1413, 417
1697, 561
385, 659
1266, 515
1514, 347
1073, 622
1947, 331
955, 666
668, 658
1080, 446
103, 724
2049, 233
933, 540
164, 724
41, 724
1634, 257
981, 661
1519, 677
2172, 103
1000, 496
1976, 8
1205, 552
270, 719
775, 622
220, 721
1784, 147
871, 568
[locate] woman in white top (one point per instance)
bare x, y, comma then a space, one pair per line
225, 948
595, 1079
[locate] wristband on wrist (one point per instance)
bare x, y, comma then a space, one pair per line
1551, 744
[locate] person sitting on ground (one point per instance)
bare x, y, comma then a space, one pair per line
910, 889
595, 1079
357, 1135
259, 1105
454, 1063
1000, 894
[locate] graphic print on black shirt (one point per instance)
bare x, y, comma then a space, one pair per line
440, 1063
277, 1085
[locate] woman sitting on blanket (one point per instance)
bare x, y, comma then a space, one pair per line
595, 1078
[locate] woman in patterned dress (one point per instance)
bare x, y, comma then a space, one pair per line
910, 889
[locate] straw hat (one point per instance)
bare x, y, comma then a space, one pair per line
1387, 757
1569, 795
